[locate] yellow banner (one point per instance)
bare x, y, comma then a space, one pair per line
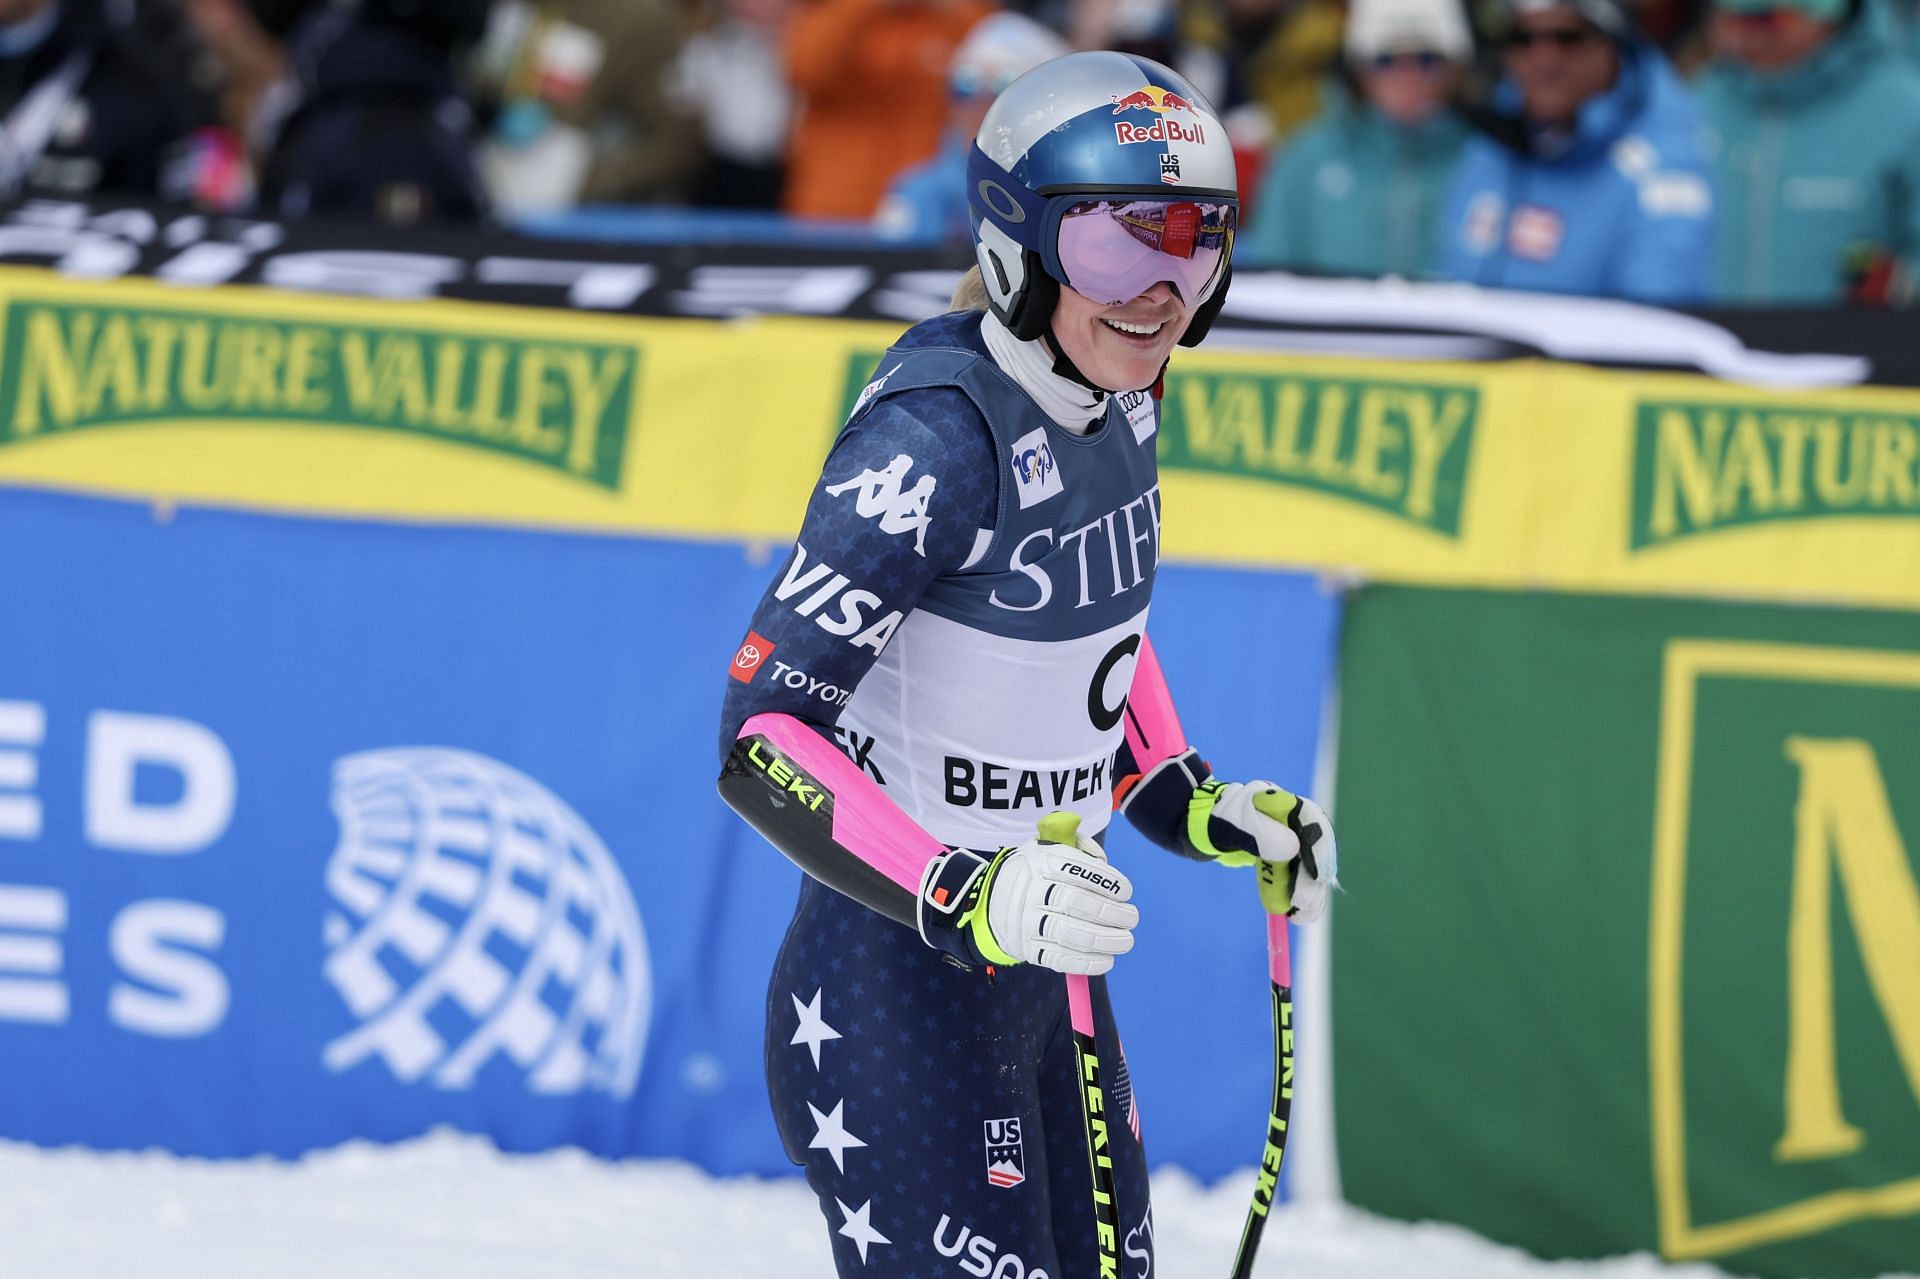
1527, 473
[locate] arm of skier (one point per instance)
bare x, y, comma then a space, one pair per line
818, 631
1170, 795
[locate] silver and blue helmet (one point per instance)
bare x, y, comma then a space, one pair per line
1105, 131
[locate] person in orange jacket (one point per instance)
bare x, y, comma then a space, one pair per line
870, 77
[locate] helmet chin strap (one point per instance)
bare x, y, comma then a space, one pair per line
1066, 368
1063, 363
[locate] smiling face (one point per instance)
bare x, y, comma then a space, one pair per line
1121, 347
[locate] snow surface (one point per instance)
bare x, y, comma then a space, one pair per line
451, 1205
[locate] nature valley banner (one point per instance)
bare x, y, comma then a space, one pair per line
439, 411
1629, 957
566, 406
1506, 474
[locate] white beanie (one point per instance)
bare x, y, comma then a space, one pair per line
1375, 27
999, 49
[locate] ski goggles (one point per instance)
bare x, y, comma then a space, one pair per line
1112, 251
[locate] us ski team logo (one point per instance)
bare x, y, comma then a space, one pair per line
1006, 1153
878, 493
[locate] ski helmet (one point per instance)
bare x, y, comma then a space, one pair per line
1106, 172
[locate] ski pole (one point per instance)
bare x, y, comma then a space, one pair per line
1275, 897
1061, 828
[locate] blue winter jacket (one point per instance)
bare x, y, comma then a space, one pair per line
927, 204
1621, 207
1815, 167
1353, 193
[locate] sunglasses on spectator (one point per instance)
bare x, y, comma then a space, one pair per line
1424, 59
1755, 17
1560, 37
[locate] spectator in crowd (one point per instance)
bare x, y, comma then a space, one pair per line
378, 129
1359, 190
1149, 28
246, 57
1679, 27
1588, 177
1262, 62
1815, 140
871, 76
81, 113
928, 203
584, 108
731, 78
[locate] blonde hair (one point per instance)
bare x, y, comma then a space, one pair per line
971, 293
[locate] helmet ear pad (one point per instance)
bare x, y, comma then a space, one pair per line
1205, 314
1019, 289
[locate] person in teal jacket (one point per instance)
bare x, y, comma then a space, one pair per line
1907, 18
1814, 120
1358, 191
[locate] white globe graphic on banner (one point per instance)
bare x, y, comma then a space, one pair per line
478, 918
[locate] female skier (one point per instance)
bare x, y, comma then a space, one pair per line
956, 650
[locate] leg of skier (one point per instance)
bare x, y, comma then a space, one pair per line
935, 1111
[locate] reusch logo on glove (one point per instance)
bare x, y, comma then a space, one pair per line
1086, 871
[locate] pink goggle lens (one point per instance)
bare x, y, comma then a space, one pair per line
1112, 251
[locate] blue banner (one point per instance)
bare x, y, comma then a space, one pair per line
313, 830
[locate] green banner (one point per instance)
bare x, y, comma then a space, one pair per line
561, 405
1397, 447
1630, 956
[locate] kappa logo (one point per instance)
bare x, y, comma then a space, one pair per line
754, 650
1036, 473
478, 920
1006, 1153
879, 494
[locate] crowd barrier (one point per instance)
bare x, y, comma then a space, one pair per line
313, 830
356, 764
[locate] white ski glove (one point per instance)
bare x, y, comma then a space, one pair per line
1052, 901
1244, 823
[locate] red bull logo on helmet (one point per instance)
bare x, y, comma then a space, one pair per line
1151, 98
1126, 132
